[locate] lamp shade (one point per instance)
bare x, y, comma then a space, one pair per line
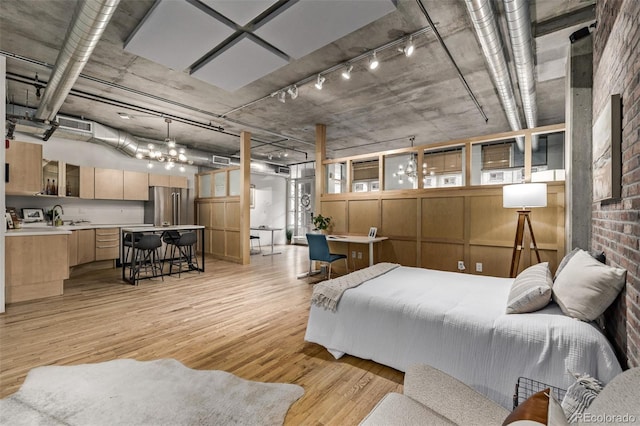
524, 195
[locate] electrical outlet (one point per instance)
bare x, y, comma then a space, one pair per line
461, 265
478, 267
353, 254
359, 255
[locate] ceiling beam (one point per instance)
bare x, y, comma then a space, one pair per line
569, 19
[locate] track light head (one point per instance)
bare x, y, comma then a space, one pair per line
346, 73
282, 96
409, 48
293, 91
319, 82
373, 62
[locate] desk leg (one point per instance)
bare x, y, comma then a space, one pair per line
272, 252
124, 261
202, 264
370, 253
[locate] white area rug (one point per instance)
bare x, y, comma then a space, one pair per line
130, 392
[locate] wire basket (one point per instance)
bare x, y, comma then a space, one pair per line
526, 387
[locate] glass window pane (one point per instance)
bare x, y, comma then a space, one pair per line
547, 157
220, 184
400, 171
365, 175
497, 162
336, 178
444, 167
204, 186
234, 182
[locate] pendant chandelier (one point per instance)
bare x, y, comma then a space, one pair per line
410, 169
169, 153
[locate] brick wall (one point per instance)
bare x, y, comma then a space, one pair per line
616, 226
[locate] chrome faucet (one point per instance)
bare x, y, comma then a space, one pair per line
55, 215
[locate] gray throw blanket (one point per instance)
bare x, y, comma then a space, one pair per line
327, 294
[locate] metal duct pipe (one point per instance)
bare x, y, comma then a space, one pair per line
90, 18
519, 23
130, 145
484, 21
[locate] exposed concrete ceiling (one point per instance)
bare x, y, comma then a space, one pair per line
373, 111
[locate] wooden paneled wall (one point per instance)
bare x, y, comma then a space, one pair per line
221, 219
436, 228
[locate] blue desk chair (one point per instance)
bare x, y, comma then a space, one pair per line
319, 251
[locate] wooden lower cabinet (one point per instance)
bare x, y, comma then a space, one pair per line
107, 243
86, 246
73, 248
35, 266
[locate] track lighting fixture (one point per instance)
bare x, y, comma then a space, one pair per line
346, 73
293, 91
403, 44
409, 47
373, 62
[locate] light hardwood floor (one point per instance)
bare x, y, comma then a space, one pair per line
247, 320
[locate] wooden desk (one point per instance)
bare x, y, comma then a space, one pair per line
265, 228
358, 239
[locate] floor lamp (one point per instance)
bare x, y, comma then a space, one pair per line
523, 196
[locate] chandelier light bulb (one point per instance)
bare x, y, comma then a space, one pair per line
168, 166
373, 62
173, 152
139, 155
182, 169
171, 143
182, 150
182, 157
151, 146
150, 165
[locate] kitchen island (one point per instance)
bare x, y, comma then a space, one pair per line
36, 263
153, 230
38, 257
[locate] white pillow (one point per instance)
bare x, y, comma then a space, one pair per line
585, 288
531, 290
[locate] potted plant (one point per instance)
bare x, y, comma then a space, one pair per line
289, 234
321, 223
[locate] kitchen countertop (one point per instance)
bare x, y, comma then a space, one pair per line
32, 229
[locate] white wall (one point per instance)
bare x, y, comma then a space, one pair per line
270, 207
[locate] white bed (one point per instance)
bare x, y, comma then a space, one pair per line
457, 323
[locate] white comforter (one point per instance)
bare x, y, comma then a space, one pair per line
457, 323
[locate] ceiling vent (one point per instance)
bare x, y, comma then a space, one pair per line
283, 170
74, 124
221, 160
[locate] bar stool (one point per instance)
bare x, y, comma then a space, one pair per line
186, 253
170, 238
146, 255
127, 243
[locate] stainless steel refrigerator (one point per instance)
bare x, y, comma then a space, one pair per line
168, 206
